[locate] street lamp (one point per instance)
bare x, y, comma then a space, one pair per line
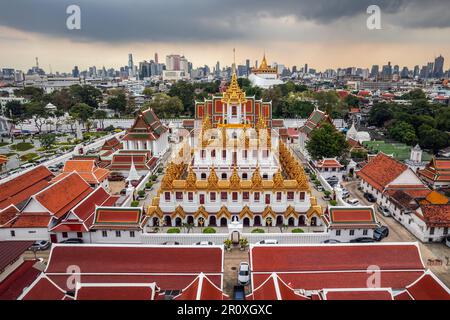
268, 223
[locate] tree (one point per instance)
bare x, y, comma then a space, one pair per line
36, 111
432, 139
118, 102
352, 101
82, 112
86, 94
403, 132
14, 109
31, 93
47, 140
294, 107
326, 100
415, 94
62, 99
185, 91
148, 92
326, 142
379, 114
165, 106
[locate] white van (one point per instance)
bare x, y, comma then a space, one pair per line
27, 166
353, 202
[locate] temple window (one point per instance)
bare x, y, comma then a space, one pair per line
352, 232
235, 196
256, 196
224, 196
265, 176
203, 154
290, 195
190, 196
244, 154
245, 176
203, 176
167, 196
278, 196
265, 153
118, 234
202, 199
132, 234
179, 196
104, 234
224, 176
302, 196
245, 196
224, 154
213, 153
212, 196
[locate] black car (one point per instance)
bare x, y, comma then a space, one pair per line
369, 197
239, 293
362, 240
331, 241
71, 241
380, 233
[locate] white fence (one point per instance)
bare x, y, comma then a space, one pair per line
189, 239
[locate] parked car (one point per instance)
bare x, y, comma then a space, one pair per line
331, 241
244, 273
384, 211
362, 240
204, 243
369, 197
320, 188
53, 169
123, 192
380, 233
171, 243
345, 194
268, 241
60, 165
40, 245
353, 202
27, 166
238, 293
72, 241
447, 241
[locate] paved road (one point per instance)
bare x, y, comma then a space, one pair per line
231, 265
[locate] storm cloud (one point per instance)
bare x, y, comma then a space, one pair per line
204, 20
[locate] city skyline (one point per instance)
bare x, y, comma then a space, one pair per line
322, 35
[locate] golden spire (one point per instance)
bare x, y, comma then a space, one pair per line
191, 180
256, 179
213, 180
235, 180
234, 93
278, 180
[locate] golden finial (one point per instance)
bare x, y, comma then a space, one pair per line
212, 180
256, 179
278, 180
234, 93
191, 179
235, 180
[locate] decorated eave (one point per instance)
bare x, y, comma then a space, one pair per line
234, 94
111, 218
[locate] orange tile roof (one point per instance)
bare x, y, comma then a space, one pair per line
352, 217
31, 220
381, 171
436, 215
24, 186
86, 169
62, 196
435, 197
8, 214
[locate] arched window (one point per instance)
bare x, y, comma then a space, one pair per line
244, 176
203, 176
224, 176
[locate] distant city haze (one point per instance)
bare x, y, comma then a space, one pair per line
316, 32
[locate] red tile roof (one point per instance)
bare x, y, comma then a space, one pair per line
44, 289
202, 289
118, 291
30, 220
436, 215
274, 288
358, 294
438, 170
86, 169
65, 194
20, 189
352, 217
112, 218
427, 287
10, 251
329, 163
8, 214
14, 284
381, 171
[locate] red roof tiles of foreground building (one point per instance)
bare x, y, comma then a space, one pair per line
275, 289
427, 287
10, 251
381, 171
12, 287
314, 267
20, 189
202, 289
43, 289
8, 214
116, 291
436, 215
357, 294
65, 194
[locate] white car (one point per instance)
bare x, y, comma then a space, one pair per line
353, 202
268, 241
204, 243
244, 273
384, 211
447, 241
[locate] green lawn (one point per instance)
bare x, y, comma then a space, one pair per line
28, 157
2, 144
22, 146
400, 151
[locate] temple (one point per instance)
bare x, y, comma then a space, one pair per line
264, 76
233, 168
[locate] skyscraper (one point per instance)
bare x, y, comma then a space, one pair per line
374, 72
130, 65
247, 64
156, 58
438, 71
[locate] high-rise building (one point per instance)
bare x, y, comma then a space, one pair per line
438, 71
375, 71
405, 73
75, 72
130, 65
430, 69
416, 71
305, 70
247, 64
217, 69
156, 58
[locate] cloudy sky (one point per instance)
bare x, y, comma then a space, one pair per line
322, 33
